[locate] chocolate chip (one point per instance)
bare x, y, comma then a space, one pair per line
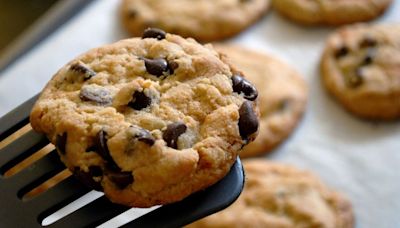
172, 133
95, 94
154, 33
91, 149
368, 42
142, 135
61, 141
241, 85
369, 56
121, 179
96, 171
341, 52
102, 149
87, 177
172, 66
356, 79
140, 102
101, 143
83, 70
157, 67
248, 121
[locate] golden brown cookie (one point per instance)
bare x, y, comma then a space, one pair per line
331, 12
148, 120
204, 20
360, 67
281, 196
282, 95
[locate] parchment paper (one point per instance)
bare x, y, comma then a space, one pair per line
359, 158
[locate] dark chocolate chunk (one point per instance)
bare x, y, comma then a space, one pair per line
367, 42
86, 72
95, 94
87, 178
121, 179
154, 33
140, 102
96, 171
369, 56
142, 135
101, 143
248, 121
157, 66
172, 65
356, 79
91, 149
241, 85
61, 141
102, 149
341, 52
172, 133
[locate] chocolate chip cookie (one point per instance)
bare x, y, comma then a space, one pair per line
331, 12
361, 66
148, 120
282, 96
204, 20
277, 195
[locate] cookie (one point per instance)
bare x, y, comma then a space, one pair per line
205, 20
360, 67
331, 12
282, 96
277, 195
148, 120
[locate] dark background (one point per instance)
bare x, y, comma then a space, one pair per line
17, 15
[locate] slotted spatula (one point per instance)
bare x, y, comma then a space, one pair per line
18, 212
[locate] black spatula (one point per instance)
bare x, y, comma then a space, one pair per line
18, 212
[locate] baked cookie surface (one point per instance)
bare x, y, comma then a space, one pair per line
331, 12
148, 120
360, 66
204, 20
282, 95
277, 195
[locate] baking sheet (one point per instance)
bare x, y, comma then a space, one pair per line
353, 156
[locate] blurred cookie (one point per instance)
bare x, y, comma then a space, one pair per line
204, 20
360, 66
331, 12
282, 95
277, 195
